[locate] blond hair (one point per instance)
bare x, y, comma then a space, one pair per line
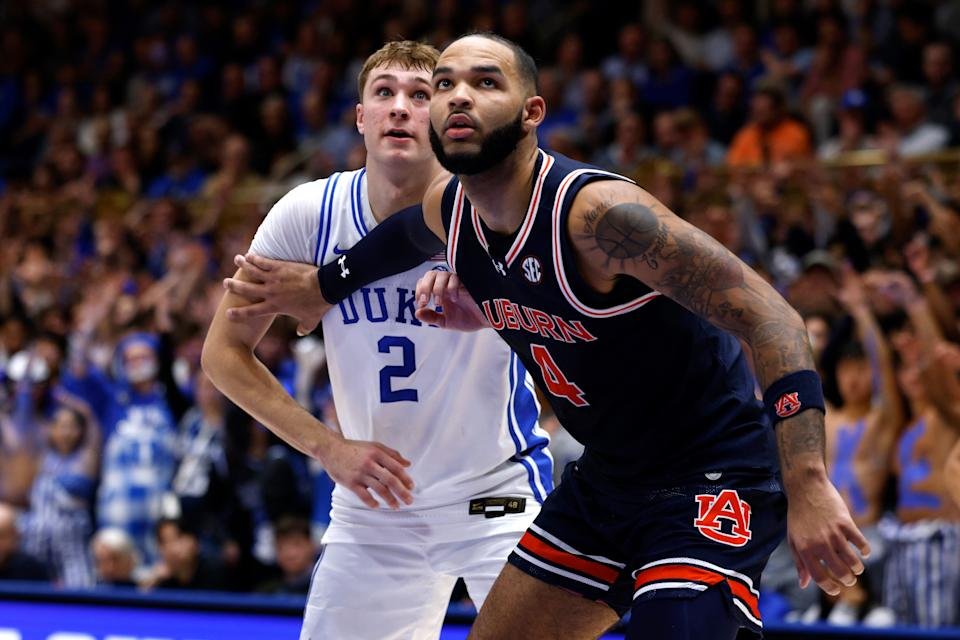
406, 54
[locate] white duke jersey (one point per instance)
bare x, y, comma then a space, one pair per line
460, 406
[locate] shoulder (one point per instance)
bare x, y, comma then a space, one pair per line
596, 198
609, 208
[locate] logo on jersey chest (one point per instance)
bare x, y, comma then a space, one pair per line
724, 518
503, 314
378, 305
532, 270
502, 270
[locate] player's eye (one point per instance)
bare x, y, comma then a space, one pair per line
487, 83
421, 95
442, 83
384, 92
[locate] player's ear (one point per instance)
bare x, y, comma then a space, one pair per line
534, 111
360, 118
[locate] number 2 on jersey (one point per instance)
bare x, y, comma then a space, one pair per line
386, 344
556, 382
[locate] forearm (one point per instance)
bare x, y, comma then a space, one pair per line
941, 310
885, 389
236, 371
229, 361
399, 243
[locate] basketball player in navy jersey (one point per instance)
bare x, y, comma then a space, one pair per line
629, 318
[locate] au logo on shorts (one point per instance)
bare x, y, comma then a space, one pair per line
532, 270
724, 518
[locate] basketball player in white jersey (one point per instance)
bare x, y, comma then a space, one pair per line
440, 426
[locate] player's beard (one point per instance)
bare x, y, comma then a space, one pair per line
494, 149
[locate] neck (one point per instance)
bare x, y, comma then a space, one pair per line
501, 194
393, 187
143, 388
856, 410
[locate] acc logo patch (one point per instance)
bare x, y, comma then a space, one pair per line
727, 506
532, 270
788, 404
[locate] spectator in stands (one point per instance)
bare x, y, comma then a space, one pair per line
914, 132
861, 433
923, 567
296, 556
57, 526
726, 114
15, 564
628, 62
229, 195
182, 565
140, 452
852, 134
837, 66
786, 60
770, 136
747, 61
627, 151
115, 559
669, 83
940, 83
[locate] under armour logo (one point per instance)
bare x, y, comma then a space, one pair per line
344, 272
499, 267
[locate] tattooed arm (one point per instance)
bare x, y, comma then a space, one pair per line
618, 229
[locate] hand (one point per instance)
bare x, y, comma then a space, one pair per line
948, 355
363, 467
820, 532
917, 253
896, 286
277, 286
458, 309
914, 191
851, 295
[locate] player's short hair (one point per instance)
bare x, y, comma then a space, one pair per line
526, 65
406, 54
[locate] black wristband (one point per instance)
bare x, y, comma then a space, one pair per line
399, 243
793, 393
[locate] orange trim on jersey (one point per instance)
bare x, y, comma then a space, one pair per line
531, 543
688, 573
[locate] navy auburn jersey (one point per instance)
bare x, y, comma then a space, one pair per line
651, 389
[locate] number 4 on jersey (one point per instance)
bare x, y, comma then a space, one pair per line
556, 382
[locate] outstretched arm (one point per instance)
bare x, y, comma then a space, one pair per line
619, 229
887, 405
402, 241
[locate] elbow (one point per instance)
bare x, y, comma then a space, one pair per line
209, 362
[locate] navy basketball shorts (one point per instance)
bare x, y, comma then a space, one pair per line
669, 542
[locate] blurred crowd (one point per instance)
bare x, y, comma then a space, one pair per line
141, 144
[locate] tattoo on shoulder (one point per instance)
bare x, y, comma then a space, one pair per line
626, 231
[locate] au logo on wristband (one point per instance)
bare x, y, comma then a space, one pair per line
788, 404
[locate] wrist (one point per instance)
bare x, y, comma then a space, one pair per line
804, 472
324, 447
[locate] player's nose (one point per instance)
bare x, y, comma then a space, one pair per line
459, 97
400, 107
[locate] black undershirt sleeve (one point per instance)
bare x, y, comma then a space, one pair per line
397, 244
